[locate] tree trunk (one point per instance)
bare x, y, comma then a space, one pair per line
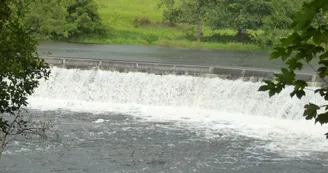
1, 151
199, 30
2, 148
241, 35
199, 25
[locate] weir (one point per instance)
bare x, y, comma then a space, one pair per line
246, 74
92, 90
100, 107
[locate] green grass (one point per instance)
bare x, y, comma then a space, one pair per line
119, 17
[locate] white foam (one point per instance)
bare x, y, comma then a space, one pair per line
177, 91
99, 121
227, 107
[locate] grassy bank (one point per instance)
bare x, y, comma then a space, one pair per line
139, 22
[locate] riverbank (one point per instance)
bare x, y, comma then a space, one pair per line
175, 43
140, 23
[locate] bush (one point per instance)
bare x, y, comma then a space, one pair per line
269, 37
84, 16
58, 20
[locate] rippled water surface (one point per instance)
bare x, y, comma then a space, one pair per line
124, 143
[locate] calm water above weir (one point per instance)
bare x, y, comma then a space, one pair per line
137, 122
245, 59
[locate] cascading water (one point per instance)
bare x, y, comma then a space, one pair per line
169, 90
213, 103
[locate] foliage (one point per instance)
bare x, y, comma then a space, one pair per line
83, 14
20, 67
281, 17
277, 25
48, 19
240, 14
120, 16
64, 19
271, 16
187, 11
234, 14
307, 43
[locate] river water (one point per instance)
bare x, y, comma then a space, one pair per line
156, 54
138, 122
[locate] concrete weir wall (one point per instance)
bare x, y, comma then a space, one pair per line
162, 69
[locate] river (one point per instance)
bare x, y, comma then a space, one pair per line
138, 122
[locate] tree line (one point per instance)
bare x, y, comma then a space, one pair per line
263, 22
272, 17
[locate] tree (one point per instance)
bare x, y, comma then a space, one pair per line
278, 24
85, 17
63, 19
271, 16
48, 19
307, 43
240, 14
187, 11
20, 70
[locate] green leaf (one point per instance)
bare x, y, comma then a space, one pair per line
309, 33
318, 49
269, 83
324, 55
317, 37
301, 84
288, 76
293, 64
322, 118
300, 94
323, 71
294, 38
310, 111
274, 55
323, 93
264, 88
324, 62
271, 93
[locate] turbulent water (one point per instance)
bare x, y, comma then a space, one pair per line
195, 124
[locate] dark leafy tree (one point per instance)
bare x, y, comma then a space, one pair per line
63, 19
84, 16
20, 69
307, 43
47, 19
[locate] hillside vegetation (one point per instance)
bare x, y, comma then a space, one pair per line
213, 24
140, 22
